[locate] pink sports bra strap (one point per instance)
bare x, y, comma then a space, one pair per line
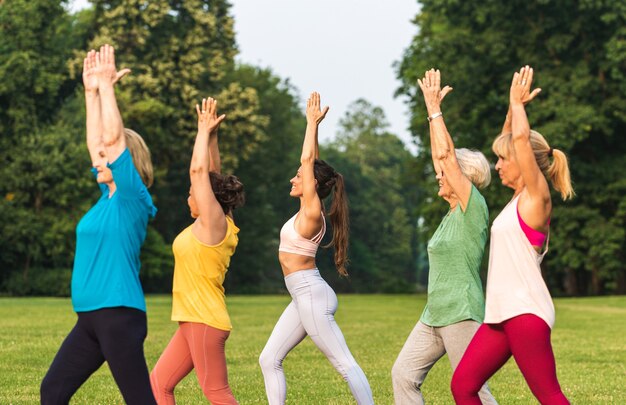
535, 237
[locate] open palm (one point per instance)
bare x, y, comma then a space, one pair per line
90, 80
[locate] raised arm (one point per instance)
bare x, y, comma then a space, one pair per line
92, 107
535, 182
311, 205
210, 227
528, 97
113, 127
214, 152
442, 146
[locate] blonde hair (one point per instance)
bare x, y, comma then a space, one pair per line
474, 166
557, 171
141, 155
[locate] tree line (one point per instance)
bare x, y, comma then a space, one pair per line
180, 52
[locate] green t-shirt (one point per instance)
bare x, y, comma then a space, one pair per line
455, 292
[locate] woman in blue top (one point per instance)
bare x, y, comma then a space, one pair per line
106, 292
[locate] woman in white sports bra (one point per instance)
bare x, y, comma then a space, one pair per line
519, 313
311, 311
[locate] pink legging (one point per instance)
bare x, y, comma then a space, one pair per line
199, 346
527, 338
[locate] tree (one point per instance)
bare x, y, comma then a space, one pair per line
179, 52
46, 185
265, 175
40, 180
374, 164
35, 42
579, 56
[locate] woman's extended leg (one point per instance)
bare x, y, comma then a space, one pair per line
486, 353
287, 333
456, 338
316, 303
173, 365
78, 357
209, 360
422, 349
529, 338
121, 333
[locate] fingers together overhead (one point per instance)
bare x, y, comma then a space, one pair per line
102, 64
107, 54
314, 113
207, 115
430, 85
521, 85
523, 77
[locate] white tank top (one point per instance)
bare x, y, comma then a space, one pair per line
514, 282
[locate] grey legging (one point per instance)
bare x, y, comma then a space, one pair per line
310, 313
424, 346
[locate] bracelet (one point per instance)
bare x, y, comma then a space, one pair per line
435, 115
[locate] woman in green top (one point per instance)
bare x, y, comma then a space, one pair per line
456, 306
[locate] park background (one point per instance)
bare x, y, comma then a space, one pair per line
180, 51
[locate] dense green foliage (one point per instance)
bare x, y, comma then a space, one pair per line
578, 50
588, 345
375, 164
181, 51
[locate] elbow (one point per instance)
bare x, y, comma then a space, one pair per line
307, 158
443, 155
520, 135
110, 138
198, 171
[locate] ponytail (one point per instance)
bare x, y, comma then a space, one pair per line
558, 173
551, 162
339, 219
329, 180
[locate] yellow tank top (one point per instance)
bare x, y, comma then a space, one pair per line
199, 272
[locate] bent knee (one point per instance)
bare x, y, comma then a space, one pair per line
268, 361
159, 385
463, 386
55, 390
48, 390
401, 374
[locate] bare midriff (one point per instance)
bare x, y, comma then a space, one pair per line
292, 262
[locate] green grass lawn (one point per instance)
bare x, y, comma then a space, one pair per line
589, 342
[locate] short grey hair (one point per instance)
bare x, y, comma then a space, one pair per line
474, 166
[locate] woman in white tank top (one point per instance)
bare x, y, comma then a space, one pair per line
519, 313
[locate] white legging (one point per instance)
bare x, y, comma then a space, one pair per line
310, 313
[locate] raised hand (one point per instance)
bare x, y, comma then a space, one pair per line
314, 114
105, 68
432, 91
90, 80
520, 87
208, 121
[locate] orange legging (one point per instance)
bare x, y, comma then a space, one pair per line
199, 346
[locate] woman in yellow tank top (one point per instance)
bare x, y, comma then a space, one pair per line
202, 254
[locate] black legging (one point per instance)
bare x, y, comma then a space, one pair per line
114, 335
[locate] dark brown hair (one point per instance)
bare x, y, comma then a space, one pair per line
228, 191
329, 180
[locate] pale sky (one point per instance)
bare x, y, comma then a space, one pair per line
344, 49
